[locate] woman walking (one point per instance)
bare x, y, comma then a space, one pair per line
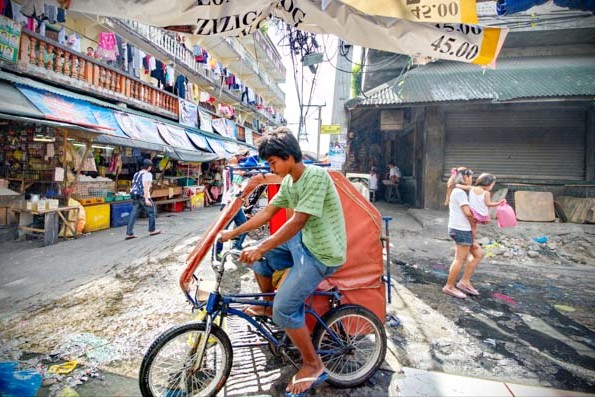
462, 229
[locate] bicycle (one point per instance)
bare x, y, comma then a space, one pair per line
196, 358
350, 339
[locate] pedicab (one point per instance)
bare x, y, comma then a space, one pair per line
345, 315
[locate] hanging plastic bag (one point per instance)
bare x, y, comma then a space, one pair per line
505, 215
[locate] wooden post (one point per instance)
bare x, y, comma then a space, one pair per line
64, 160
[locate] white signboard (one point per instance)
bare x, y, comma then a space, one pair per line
437, 29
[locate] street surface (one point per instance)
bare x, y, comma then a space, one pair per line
102, 300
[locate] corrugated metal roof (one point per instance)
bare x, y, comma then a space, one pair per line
514, 78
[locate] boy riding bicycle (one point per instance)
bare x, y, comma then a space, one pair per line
312, 243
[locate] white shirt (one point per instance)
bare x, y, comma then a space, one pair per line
395, 171
478, 202
373, 182
456, 217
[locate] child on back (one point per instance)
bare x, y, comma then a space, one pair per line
480, 198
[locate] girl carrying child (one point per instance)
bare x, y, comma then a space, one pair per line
480, 198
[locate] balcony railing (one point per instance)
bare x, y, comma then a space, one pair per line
158, 37
182, 55
49, 60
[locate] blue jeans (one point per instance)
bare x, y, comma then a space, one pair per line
239, 219
303, 278
137, 204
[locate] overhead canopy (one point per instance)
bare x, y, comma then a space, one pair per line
32, 101
424, 28
12, 101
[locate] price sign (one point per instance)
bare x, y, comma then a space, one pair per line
467, 43
458, 11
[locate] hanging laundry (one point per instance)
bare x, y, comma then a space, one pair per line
159, 73
107, 46
61, 17
180, 87
169, 76
33, 8
51, 13
7, 9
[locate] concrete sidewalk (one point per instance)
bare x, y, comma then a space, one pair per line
418, 383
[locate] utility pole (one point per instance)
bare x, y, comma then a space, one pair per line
319, 127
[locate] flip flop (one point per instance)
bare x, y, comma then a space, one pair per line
455, 293
155, 232
315, 382
470, 291
129, 237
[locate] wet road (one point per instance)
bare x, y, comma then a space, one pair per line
537, 315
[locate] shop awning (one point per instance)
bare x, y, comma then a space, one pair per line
45, 104
13, 102
183, 146
62, 109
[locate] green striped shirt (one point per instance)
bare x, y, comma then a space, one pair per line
314, 193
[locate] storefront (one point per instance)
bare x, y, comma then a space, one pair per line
62, 151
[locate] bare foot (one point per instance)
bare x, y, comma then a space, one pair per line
454, 292
299, 384
257, 310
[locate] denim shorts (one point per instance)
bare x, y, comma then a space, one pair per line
303, 278
461, 237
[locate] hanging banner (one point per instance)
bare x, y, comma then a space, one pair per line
219, 126
249, 137
62, 108
174, 136
139, 128
231, 128
336, 155
456, 11
10, 39
205, 121
435, 29
188, 113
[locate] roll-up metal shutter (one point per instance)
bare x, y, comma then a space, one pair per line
542, 144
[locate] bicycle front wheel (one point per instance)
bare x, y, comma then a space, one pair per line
168, 368
353, 347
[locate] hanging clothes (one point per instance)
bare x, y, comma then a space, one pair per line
107, 46
169, 76
7, 9
180, 87
158, 73
51, 13
61, 17
33, 9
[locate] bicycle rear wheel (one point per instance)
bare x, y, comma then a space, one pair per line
353, 347
166, 369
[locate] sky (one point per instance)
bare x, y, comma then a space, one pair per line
322, 93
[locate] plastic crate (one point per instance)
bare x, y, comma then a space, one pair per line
120, 213
176, 207
98, 217
91, 200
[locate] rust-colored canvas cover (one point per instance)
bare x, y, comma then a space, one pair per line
359, 279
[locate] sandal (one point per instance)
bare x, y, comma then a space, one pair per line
129, 237
316, 381
155, 232
454, 292
467, 290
